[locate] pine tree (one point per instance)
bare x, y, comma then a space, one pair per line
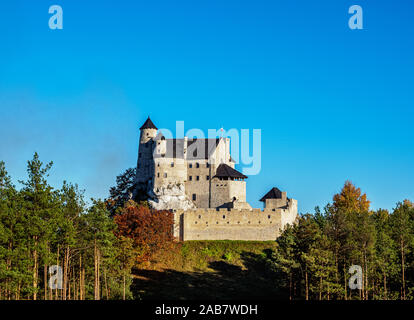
122, 192
127, 256
403, 236
72, 207
285, 262
385, 253
100, 232
40, 209
9, 274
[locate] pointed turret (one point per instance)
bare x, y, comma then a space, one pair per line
148, 131
145, 164
275, 199
148, 124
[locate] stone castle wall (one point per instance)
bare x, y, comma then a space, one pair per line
290, 214
199, 184
169, 171
223, 192
173, 180
224, 224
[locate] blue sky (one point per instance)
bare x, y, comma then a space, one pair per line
332, 103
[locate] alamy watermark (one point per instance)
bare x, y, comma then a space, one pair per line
56, 20
356, 20
355, 281
240, 146
55, 277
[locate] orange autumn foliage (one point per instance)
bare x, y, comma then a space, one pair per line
150, 230
408, 203
350, 199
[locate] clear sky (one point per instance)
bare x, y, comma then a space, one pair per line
332, 103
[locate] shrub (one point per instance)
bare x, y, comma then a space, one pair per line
150, 230
228, 256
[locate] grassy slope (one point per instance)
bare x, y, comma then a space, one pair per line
208, 270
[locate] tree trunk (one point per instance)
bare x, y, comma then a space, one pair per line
106, 285
80, 277
403, 269
97, 282
8, 267
306, 286
45, 280
123, 294
99, 274
366, 273
66, 273
328, 292
83, 283
69, 297
35, 269
73, 280
336, 265
47, 270
362, 291
320, 288
294, 289
95, 269
345, 284
57, 263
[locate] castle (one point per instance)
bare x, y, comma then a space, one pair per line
197, 180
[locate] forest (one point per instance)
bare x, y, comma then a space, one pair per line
313, 257
42, 227
100, 244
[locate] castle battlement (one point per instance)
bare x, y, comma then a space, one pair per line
229, 210
290, 206
233, 224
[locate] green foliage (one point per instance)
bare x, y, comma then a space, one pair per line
314, 256
97, 247
120, 194
40, 227
228, 256
210, 252
197, 255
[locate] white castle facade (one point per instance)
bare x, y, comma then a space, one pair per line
197, 177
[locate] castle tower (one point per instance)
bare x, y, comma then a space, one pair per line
275, 199
148, 131
145, 164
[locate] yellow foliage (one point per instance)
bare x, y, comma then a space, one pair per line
351, 199
408, 203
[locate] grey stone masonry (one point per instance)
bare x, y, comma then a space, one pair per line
197, 179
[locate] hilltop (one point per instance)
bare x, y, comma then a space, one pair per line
208, 270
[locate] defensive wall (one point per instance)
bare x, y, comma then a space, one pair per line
233, 224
